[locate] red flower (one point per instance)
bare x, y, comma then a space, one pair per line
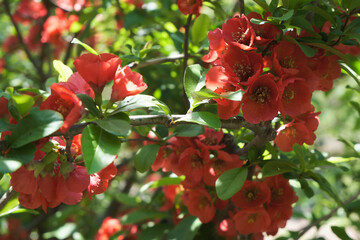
126, 83
252, 195
199, 204
289, 60
242, 64
137, 3
4, 111
239, 31
249, 221
77, 84
296, 97
291, 133
71, 5
65, 102
190, 6
265, 33
226, 228
281, 192
29, 10
97, 70
54, 26
279, 217
99, 181
216, 46
260, 101
108, 228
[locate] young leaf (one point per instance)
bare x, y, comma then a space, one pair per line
37, 124
230, 182
145, 157
200, 28
140, 101
340, 232
116, 124
89, 104
99, 148
193, 80
272, 168
64, 71
186, 229
142, 214
162, 182
202, 118
284, 17
8, 165
84, 45
188, 130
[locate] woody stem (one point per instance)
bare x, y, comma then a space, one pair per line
186, 55
242, 7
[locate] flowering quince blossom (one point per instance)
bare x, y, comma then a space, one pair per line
65, 102
239, 31
29, 10
71, 5
126, 83
190, 6
108, 228
252, 195
100, 181
252, 220
97, 70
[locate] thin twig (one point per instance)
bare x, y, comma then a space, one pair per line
155, 61
242, 7
22, 43
186, 56
7, 197
327, 216
264, 133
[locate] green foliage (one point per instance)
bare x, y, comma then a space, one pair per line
145, 157
230, 182
99, 148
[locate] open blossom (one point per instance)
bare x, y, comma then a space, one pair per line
252, 220
100, 181
239, 31
97, 70
260, 101
190, 6
29, 10
199, 204
126, 83
252, 195
65, 102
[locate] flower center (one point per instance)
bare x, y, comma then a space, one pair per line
261, 94
288, 94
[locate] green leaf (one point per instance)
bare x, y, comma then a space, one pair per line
355, 105
299, 150
62, 232
300, 21
230, 182
273, 5
325, 186
193, 80
34, 126
23, 103
284, 17
258, 21
116, 124
328, 48
308, 51
4, 126
306, 188
99, 148
186, 229
272, 168
321, 12
13, 203
64, 71
84, 45
126, 199
350, 72
263, 4
162, 182
8, 165
22, 154
156, 232
89, 104
141, 215
218, 9
140, 101
200, 28
202, 118
340, 232
188, 130
145, 157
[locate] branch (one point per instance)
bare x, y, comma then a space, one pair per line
241, 7
186, 55
326, 217
21, 40
155, 61
7, 197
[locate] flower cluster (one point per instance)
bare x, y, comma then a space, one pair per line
50, 179
111, 226
262, 205
274, 74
